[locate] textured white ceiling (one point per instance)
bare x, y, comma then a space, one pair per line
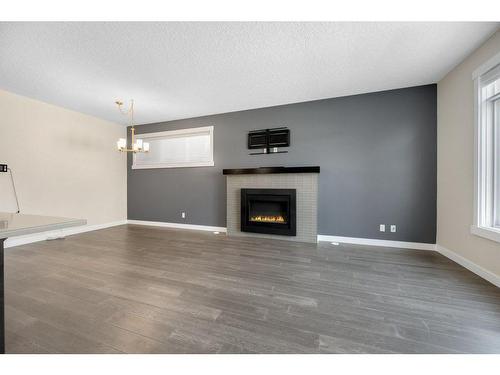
185, 69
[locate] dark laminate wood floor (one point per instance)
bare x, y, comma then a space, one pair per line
140, 289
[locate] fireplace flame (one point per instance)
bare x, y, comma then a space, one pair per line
268, 219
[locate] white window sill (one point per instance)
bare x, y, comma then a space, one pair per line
492, 234
177, 165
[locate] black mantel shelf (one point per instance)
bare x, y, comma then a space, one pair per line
269, 170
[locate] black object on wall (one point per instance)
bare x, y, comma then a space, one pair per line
269, 140
277, 137
271, 211
377, 154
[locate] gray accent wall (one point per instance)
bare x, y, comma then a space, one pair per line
377, 154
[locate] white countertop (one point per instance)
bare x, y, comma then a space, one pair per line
20, 224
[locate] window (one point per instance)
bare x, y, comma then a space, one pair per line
487, 162
177, 148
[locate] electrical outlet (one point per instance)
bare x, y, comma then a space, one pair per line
183, 215
382, 227
4, 168
393, 228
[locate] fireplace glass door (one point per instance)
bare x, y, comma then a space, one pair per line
269, 211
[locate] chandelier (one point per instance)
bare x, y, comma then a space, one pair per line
137, 144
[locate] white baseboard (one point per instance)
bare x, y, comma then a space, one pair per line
373, 242
471, 266
358, 241
36, 237
178, 225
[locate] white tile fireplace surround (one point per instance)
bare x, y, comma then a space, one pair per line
303, 179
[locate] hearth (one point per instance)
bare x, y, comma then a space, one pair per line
271, 211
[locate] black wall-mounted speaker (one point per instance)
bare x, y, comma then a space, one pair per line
279, 137
257, 139
266, 138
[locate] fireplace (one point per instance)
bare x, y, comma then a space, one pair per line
271, 211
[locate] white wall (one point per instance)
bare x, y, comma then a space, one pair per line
65, 163
455, 163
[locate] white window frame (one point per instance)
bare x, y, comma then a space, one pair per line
176, 133
484, 153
